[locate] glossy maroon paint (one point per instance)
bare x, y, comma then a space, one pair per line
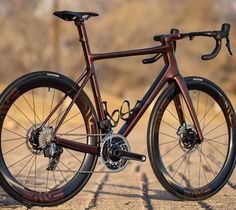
169, 73
77, 146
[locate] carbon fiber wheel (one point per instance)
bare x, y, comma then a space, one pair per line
24, 106
184, 167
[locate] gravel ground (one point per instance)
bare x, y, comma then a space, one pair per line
136, 187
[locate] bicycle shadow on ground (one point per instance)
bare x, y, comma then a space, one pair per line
157, 194
8, 202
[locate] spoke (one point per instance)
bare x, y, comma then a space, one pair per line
216, 137
169, 124
29, 172
176, 160
67, 167
172, 115
167, 142
57, 117
213, 103
71, 118
198, 102
183, 175
216, 148
200, 164
19, 160
34, 107
54, 179
73, 155
35, 172
210, 159
33, 110
23, 114
205, 113
47, 181
203, 168
204, 171
169, 135
208, 165
60, 111
170, 150
73, 129
206, 140
13, 132
183, 102
17, 122
62, 174
215, 128
189, 170
13, 139
43, 107
180, 164
25, 164
51, 102
78, 139
14, 148
211, 120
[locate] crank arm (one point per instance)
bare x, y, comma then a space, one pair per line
128, 155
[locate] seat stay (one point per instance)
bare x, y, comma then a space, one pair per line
74, 16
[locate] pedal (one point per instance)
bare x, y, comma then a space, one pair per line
127, 155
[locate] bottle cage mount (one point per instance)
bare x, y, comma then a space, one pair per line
125, 112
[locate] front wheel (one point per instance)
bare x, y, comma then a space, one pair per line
24, 169
185, 168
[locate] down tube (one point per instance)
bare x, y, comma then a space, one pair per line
145, 102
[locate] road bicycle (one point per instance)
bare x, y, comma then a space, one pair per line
52, 136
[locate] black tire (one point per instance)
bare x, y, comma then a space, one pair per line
27, 101
199, 171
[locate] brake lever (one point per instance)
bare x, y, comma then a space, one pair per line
152, 59
228, 45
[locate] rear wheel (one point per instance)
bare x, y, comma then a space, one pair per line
184, 167
24, 106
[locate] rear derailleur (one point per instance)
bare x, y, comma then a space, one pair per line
53, 152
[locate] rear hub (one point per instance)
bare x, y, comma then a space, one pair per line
32, 138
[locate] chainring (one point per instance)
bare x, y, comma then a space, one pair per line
114, 141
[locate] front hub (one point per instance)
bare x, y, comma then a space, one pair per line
188, 138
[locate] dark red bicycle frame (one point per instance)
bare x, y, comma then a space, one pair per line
169, 73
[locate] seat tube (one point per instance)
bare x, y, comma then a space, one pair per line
83, 38
90, 67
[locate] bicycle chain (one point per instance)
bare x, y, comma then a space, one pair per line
86, 172
64, 134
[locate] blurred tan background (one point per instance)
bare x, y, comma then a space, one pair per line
32, 39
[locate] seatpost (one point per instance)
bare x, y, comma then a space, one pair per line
84, 41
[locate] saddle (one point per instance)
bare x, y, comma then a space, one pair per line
74, 16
